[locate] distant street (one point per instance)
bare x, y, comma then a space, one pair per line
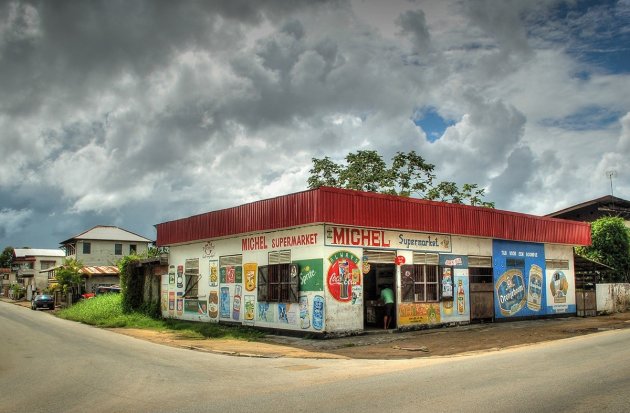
52, 365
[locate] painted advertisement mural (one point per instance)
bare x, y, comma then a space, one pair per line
311, 274
418, 313
454, 297
231, 292
343, 276
213, 276
193, 306
560, 286
518, 278
213, 304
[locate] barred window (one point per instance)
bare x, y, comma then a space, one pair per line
191, 274
420, 283
278, 281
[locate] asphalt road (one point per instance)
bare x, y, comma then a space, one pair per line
53, 365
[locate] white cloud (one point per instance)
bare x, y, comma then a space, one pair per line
232, 106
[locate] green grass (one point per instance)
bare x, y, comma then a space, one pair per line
106, 311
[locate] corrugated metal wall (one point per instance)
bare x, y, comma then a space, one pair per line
363, 209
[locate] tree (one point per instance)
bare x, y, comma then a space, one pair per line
409, 174
610, 246
6, 258
69, 275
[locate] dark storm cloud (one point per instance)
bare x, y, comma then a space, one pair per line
413, 24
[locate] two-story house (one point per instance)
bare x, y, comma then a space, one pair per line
99, 249
28, 264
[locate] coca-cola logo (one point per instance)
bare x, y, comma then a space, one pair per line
343, 274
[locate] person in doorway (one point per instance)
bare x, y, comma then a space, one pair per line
387, 296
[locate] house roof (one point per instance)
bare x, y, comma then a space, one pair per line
100, 270
108, 233
608, 203
35, 252
367, 209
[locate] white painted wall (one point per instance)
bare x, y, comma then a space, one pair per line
613, 298
557, 304
339, 316
102, 252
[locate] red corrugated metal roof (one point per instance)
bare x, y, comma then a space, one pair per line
367, 209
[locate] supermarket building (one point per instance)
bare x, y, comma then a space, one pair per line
315, 261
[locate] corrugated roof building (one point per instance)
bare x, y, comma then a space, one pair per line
316, 261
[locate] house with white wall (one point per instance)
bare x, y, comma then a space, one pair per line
104, 245
100, 248
28, 264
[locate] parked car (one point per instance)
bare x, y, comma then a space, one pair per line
107, 289
43, 301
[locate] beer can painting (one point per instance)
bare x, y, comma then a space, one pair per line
213, 304
225, 302
318, 312
213, 278
249, 304
305, 317
236, 303
250, 276
534, 289
510, 290
180, 304
171, 303
180, 276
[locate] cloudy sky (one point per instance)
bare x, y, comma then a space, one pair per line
132, 113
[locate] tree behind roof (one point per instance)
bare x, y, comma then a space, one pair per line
409, 175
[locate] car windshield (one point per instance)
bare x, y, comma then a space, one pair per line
43, 297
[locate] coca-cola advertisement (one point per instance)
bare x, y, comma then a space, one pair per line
343, 274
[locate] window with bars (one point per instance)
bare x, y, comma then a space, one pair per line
278, 281
191, 274
420, 283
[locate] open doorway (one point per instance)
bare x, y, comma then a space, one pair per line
378, 277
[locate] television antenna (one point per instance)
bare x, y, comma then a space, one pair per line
611, 174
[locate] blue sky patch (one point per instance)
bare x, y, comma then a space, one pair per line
431, 123
597, 33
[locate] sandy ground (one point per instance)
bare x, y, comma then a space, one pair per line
377, 344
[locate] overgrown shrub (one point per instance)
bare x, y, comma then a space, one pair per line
131, 284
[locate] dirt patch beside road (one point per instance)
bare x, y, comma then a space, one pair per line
392, 345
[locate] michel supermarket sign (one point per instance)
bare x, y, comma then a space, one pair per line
376, 238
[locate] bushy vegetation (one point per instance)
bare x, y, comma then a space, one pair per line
107, 311
611, 246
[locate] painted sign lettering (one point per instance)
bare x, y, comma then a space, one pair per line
365, 237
